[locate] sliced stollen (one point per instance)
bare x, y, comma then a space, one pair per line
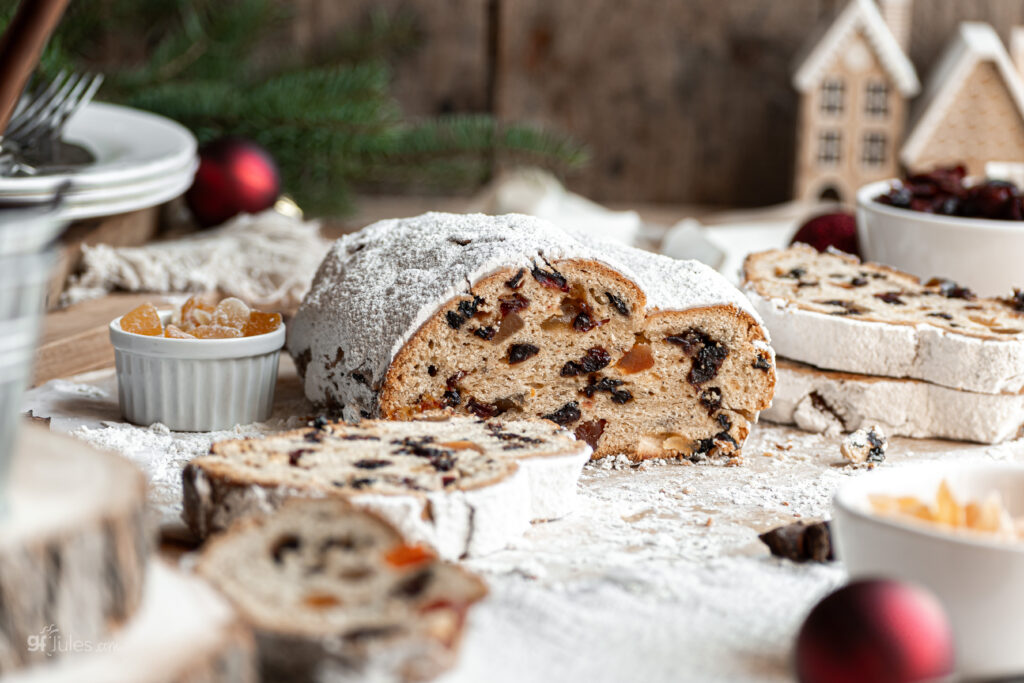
512, 316
465, 486
834, 312
335, 593
822, 400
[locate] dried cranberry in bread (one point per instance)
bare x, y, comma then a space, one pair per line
336, 593
834, 312
511, 316
462, 485
829, 401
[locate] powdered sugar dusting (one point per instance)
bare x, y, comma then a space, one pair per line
86, 407
376, 287
673, 284
658, 575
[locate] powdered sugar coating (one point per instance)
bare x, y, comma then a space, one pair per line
903, 407
376, 287
920, 352
818, 315
673, 284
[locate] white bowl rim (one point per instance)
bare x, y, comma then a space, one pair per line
195, 349
866, 199
851, 492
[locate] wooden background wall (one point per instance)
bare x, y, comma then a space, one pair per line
683, 101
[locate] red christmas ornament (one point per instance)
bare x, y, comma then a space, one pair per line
879, 631
837, 230
234, 176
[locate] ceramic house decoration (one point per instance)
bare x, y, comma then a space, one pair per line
972, 109
854, 84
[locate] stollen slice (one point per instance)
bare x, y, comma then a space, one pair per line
513, 317
462, 485
834, 312
824, 401
336, 593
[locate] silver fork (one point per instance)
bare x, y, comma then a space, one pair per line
48, 114
32, 139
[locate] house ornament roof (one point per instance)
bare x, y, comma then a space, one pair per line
974, 43
863, 15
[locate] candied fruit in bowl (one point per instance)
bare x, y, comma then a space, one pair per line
175, 332
261, 323
231, 312
216, 332
203, 318
143, 320
198, 310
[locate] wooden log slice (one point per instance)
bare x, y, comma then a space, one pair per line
73, 545
183, 632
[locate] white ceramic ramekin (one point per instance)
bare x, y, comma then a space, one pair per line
980, 581
980, 253
195, 385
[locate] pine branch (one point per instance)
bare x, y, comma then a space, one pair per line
332, 126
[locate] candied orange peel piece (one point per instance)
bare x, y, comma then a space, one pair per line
231, 312
261, 323
408, 555
198, 310
143, 319
174, 332
216, 332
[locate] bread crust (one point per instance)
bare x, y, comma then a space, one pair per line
822, 400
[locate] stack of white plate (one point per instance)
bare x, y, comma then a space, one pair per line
142, 160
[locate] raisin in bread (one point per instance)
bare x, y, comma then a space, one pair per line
828, 401
834, 312
336, 593
637, 353
462, 485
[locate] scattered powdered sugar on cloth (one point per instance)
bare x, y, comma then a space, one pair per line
264, 259
86, 407
657, 577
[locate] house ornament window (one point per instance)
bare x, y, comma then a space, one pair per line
876, 102
828, 147
832, 91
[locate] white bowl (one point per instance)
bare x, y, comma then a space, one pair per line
195, 385
979, 253
980, 581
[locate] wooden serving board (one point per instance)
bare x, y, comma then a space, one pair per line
76, 339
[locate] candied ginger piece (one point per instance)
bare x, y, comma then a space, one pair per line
143, 320
198, 310
261, 323
216, 332
175, 332
231, 312
947, 510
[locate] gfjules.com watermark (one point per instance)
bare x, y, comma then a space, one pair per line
51, 641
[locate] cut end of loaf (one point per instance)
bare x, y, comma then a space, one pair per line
327, 585
574, 344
